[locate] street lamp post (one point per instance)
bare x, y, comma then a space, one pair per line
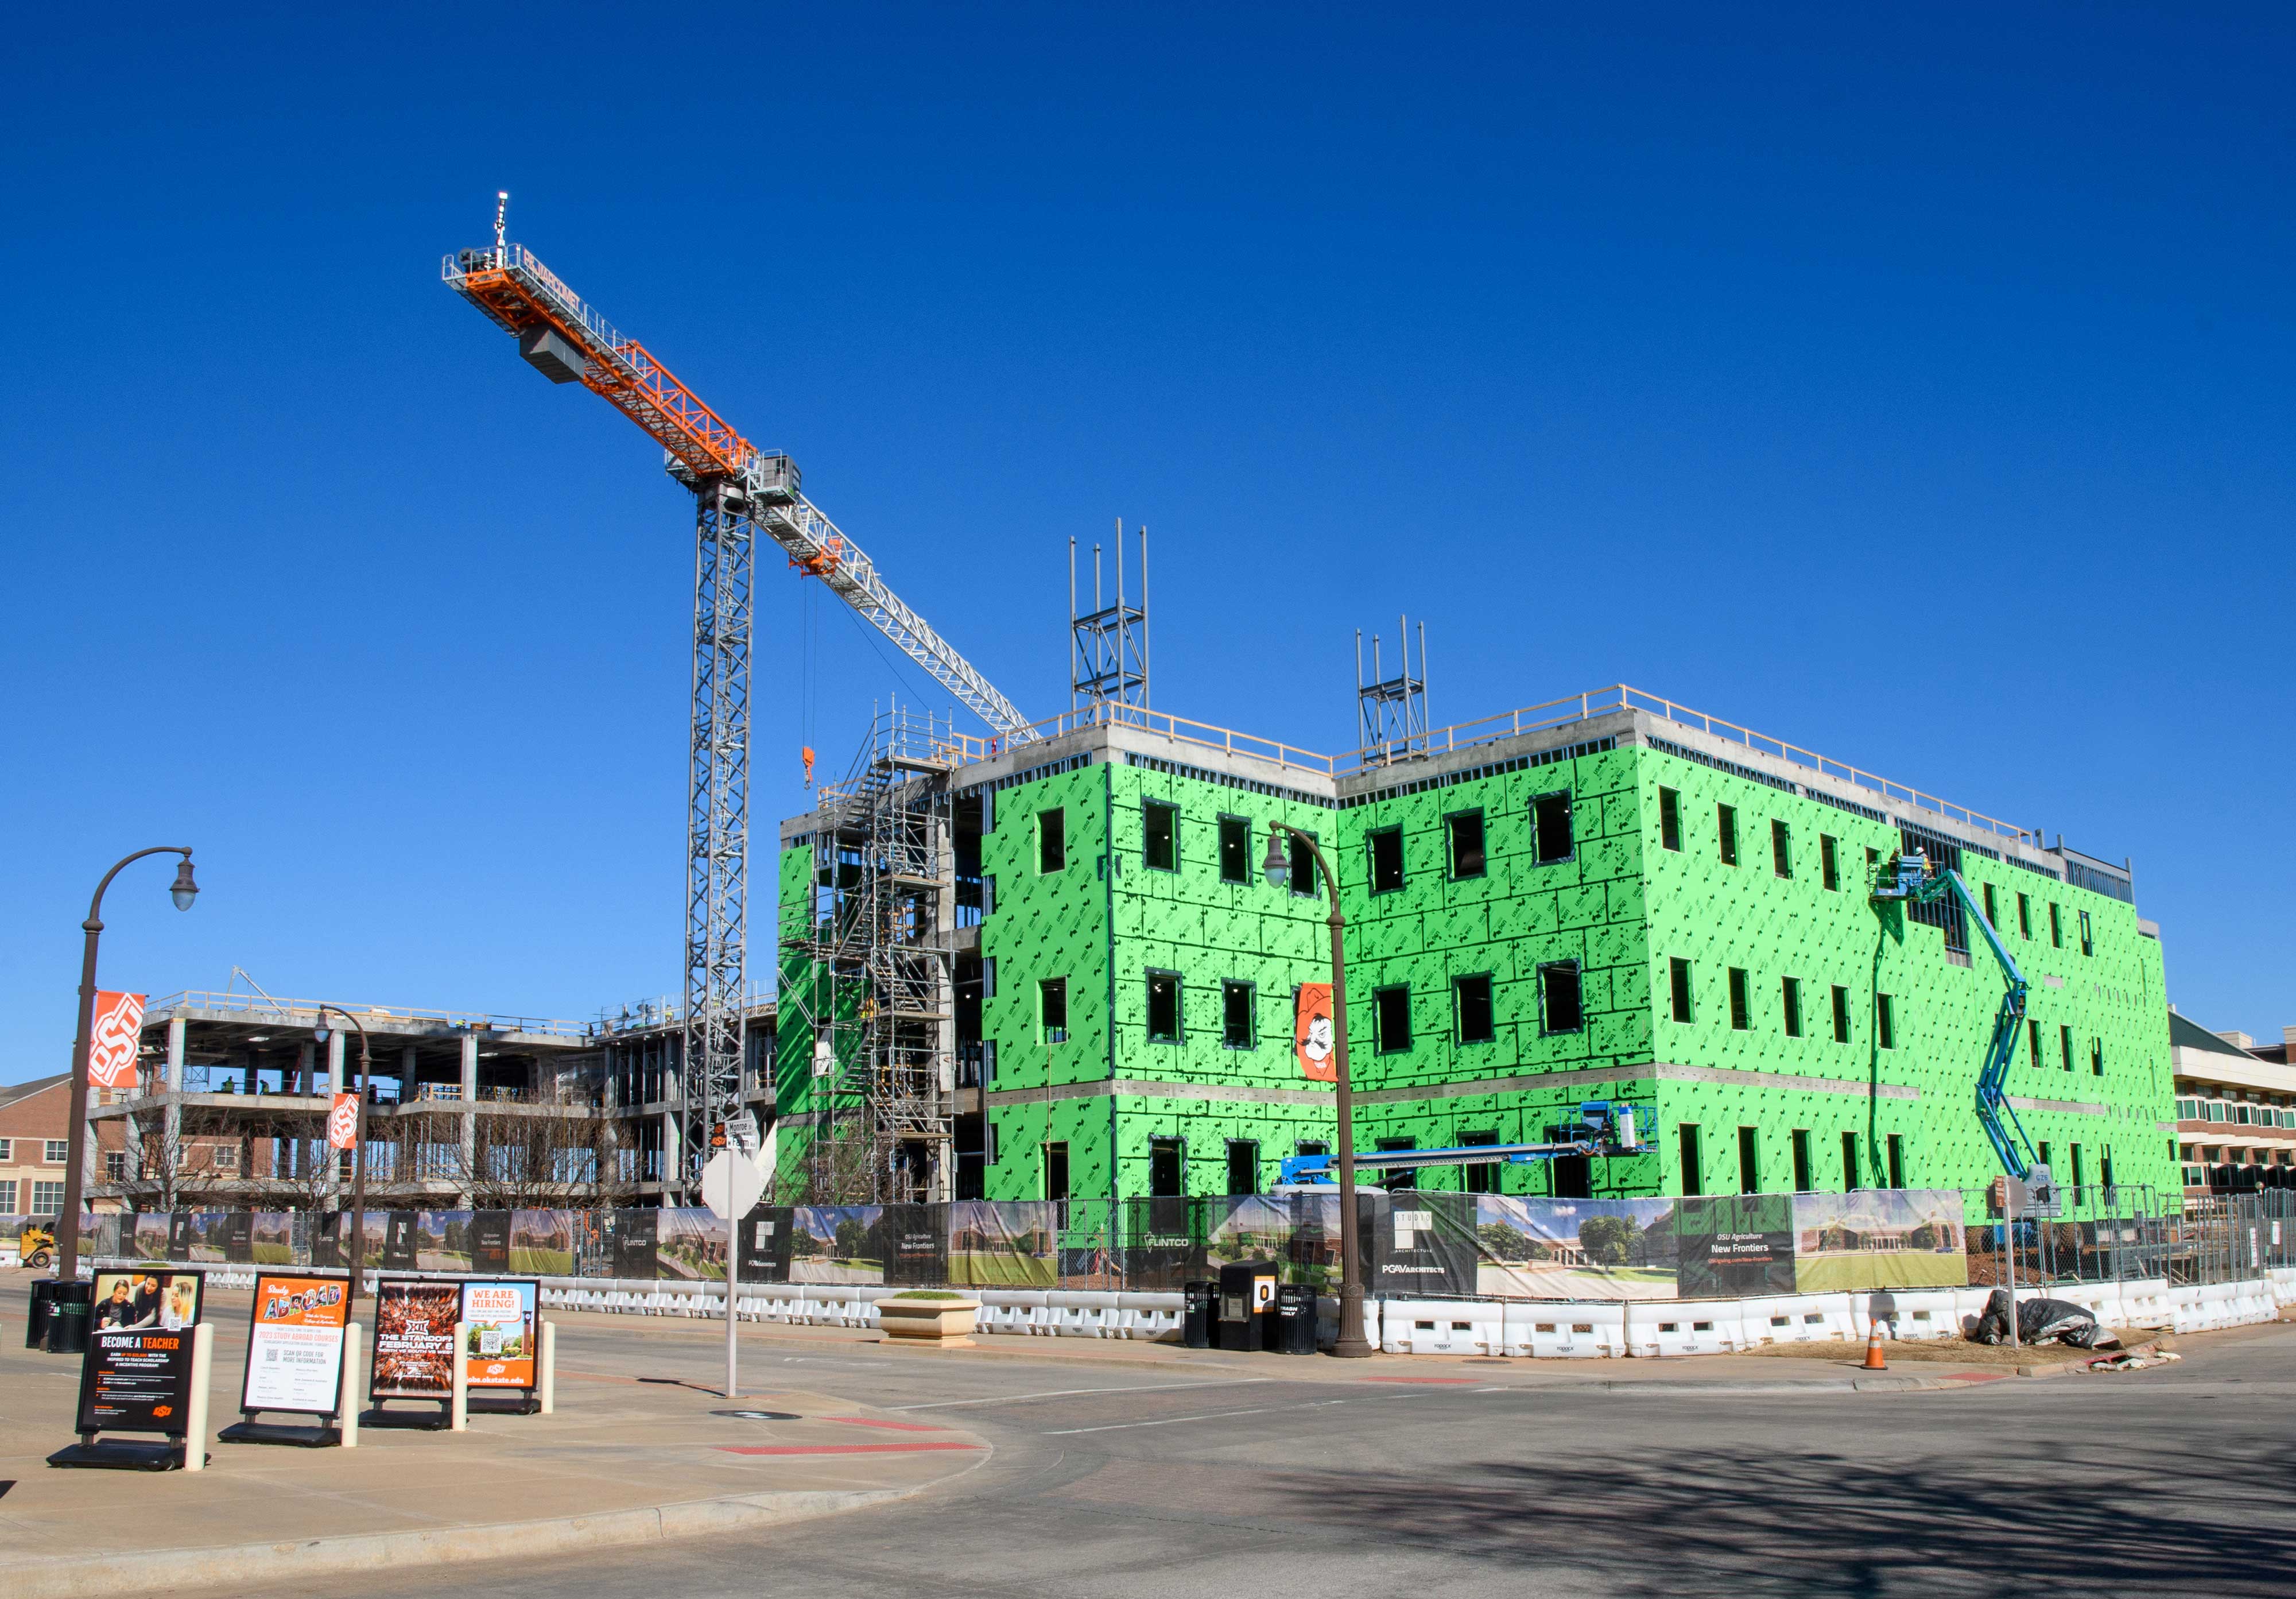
319, 1031
1350, 1344
183, 891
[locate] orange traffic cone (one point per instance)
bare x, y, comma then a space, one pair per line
1874, 1361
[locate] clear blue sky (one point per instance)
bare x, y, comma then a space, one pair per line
1916, 387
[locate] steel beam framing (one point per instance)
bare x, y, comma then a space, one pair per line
717, 826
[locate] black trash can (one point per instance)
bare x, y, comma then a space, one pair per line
71, 1308
1295, 1319
1196, 1314
1247, 1293
36, 1319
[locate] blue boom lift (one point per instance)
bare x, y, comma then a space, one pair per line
1603, 1130
1908, 880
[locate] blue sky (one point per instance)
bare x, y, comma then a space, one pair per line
1912, 387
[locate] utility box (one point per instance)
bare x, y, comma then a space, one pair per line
1198, 1302
1247, 1294
1295, 1319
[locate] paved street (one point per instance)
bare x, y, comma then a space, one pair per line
1502, 1478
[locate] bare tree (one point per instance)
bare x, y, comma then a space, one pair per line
542, 1162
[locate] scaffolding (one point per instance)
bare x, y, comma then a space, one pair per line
877, 996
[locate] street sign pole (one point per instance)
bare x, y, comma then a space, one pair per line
730, 1184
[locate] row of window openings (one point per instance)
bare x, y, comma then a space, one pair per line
1691, 1158
54, 1151
1885, 1019
1551, 844
1168, 1166
1829, 867
2235, 1114
47, 1198
1474, 1014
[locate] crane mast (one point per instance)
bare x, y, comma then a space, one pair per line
738, 491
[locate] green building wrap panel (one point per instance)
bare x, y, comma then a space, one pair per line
1614, 910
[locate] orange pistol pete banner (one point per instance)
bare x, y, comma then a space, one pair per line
342, 1123
1311, 1036
114, 1039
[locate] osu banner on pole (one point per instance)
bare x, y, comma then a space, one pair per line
1311, 1036
114, 1039
342, 1123
295, 1345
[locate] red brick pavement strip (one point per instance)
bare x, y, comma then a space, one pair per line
842, 1448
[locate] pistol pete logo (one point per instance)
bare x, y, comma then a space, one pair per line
113, 1044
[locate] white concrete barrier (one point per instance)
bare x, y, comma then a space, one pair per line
1149, 1316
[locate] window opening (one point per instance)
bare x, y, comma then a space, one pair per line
1829, 864
1750, 1160
1234, 850
1693, 1180
2096, 1058
2056, 927
1386, 860
1236, 1018
1465, 830
1992, 914
1781, 849
1304, 875
1401, 1177
1056, 1172
1052, 1009
1740, 1017
1849, 1162
1790, 997
1160, 837
1897, 1153
1481, 1177
1052, 840
1726, 818
1801, 1159
1243, 1166
1678, 982
1391, 1020
1559, 998
2088, 939
1885, 1021
2066, 1048
1550, 827
1669, 819
2025, 915
1168, 1160
1470, 1005
1164, 1007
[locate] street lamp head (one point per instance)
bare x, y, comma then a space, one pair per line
1278, 863
186, 889
319, 1030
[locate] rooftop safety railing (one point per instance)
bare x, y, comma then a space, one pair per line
304, 1012
967, 748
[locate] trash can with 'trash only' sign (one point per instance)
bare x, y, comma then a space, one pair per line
1294, 1322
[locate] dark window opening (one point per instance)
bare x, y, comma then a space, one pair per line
1304, 875
1400, 1177
1693, 1181
1160, 837
1243, 1166
1167, 1158
1052, 1009
1236, 1028
1391, 1020
1164, 1007
2088, 939
1564, 1010
1841, 1014
1470, 1000
1801, 1159
1790, 996
2066, 1048
1849, 1162
1483, 1175
2025, 915
1465, 832
1550, 827
1750, 1160
1992, 911
2096, 1057
1571, 1177
1829, 862
1740, 1018
2079, 1180
1679, 982
2056, 927
1725, 819
1885, 1021
1945, 914
1235, 849
1897, 1153
1669, 819
1052, 840
1311, 1146
1781, 849
1386, 860
2033, 1034
1056, 1171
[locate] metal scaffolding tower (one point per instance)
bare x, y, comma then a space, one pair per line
878, 950
1392, 712
1107, 645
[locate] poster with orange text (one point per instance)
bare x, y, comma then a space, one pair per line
295, 1345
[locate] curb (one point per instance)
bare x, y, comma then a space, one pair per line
244, 1565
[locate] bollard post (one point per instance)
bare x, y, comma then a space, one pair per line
549, 1393
460, 1420
195, 1411
354, 1335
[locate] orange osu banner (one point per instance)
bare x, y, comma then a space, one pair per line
1311, 1036
114, 1039
342, 1123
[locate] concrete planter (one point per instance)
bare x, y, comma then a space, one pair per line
942, 1323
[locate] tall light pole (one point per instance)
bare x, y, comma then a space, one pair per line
319, 1030
1350, 1344
183, 891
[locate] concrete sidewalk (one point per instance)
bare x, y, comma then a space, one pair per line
626, 1459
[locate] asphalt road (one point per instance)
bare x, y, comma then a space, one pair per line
1141, 1482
